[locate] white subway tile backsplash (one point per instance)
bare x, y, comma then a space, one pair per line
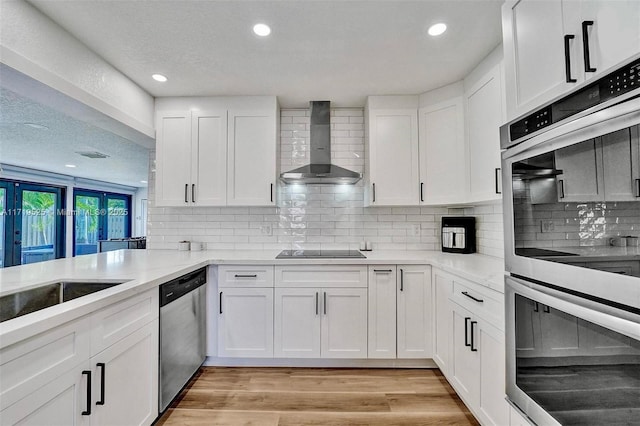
317, 216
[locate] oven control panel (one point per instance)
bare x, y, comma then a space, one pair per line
616, 83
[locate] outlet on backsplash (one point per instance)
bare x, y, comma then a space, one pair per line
415, 229
547, 226
266, 230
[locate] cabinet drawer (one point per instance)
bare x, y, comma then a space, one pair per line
245, 276
123, 318
484, 302
321, 276
28, 365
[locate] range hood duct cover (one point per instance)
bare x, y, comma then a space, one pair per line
320, 171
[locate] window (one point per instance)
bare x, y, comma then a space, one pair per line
99, 216
32, 223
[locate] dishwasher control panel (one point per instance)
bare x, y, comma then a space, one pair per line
178, 287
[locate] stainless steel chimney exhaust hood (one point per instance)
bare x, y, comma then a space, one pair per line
320, 171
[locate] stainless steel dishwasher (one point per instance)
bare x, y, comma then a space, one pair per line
182, 332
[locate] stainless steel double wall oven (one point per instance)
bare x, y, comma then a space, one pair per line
571, 184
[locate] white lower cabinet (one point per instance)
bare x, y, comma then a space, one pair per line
125, 380
469, 345
400, 309
53, 378
245, 322
320, 323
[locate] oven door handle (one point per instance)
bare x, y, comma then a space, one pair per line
618, 320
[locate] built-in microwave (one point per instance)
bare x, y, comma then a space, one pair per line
571, 197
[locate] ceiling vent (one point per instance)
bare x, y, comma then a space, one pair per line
92, 154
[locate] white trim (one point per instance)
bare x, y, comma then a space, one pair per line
320, 362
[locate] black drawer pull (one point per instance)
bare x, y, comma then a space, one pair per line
102, 374
472, 298
585, 46
388, 271
246, 276
567, 58
88, 411
473, 347
466, 331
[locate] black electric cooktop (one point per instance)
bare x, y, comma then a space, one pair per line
320, 254
538, 252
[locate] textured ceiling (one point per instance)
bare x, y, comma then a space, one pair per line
50, 149
336, 50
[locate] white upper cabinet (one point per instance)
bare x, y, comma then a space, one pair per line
252, 158
173, 158
208, 155
547, 53
216, 151
534, 49
621, 165
484, 118
392, 144
443, 171
579, 183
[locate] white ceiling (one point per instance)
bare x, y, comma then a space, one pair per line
52, 148
336, 50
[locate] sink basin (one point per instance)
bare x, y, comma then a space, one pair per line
28, 301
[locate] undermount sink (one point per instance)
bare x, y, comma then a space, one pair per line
28, 301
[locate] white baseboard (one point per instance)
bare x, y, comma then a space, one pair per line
320, 362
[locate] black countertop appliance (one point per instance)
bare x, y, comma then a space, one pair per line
459, 234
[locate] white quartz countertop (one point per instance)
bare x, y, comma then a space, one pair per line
146, 269
601, 253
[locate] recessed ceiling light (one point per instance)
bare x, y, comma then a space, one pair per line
262, 30
437, 29
159, 77
36, 126
143, 181
71, 166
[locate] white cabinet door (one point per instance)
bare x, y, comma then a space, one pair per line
528, 328
393, 157
443, 172
245, 322
621, 165
578, 183
173, 158
60, 402
534, 46
560, 333
465, 363
209, 158
484, 117
344, 323
125, 380
442, 290
493, 407
251, 172
382, 311
297, 323
615, 33
414, 312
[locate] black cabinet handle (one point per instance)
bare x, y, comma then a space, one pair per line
325, 303
388, 271
193, 193
561, 183
637, 188
585, 46
374, 192
421, 191
271, 193
401, 280
535, 307
186, 188
88, 411
317, 303
102, 374
546, 309
221, 303
466, 331
473, 348
567, 58
497, 178
246, 276
472, 298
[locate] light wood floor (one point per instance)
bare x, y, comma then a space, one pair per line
317, 396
